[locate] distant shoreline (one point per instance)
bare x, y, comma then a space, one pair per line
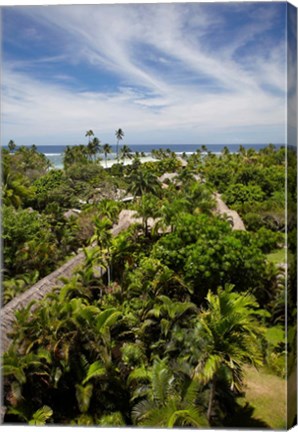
55, 152
110, 162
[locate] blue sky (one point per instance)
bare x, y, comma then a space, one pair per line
197, 73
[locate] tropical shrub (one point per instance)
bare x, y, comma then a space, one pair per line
28, 243
238, 194
209, 254
45, 185
28, 162
253, 221
155, 328
268, 240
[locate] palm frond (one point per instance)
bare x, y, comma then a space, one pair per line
41, 416
112, 419
140, 411
107, 318
161, 376
96, 369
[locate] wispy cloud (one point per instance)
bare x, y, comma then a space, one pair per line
185, 72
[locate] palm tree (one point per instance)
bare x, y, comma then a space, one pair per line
225, 151
124, 250
102, 234
119, 135
143, 181
169, 312
125, 152
136, 164
76, 154
15, 188
94, 147
170, 211
51, 337
230, 338
89, 134
186, 175
110, 209
147, 207
170, 400
68, 157
103, 237
201, 199
11, 146
106, 150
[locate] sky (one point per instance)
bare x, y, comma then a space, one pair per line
188, 73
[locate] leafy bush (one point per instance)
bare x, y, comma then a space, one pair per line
45, 185
91, 173
252, 221
239, 194
275, 350
28, 243
267, 240
29, 162
210, 254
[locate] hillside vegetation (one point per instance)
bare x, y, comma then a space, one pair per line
189, 313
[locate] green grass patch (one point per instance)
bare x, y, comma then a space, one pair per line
266, 394
277, 257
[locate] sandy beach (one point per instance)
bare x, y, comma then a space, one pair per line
111, 162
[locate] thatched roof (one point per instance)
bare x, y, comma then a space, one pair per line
71, 212
167, 176
222, 208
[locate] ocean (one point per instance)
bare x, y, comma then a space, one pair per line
55, 152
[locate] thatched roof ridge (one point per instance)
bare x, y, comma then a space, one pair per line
48, 283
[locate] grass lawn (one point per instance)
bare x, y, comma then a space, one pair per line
277, 257
266, 393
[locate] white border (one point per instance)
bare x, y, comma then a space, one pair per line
80, 2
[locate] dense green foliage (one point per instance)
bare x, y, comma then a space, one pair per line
253, 183
209, 254
23, 249
185, 301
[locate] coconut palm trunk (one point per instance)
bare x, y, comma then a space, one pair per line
109, 275
119, 135
106, 150
211, 398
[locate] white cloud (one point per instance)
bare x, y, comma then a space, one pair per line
150, 98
